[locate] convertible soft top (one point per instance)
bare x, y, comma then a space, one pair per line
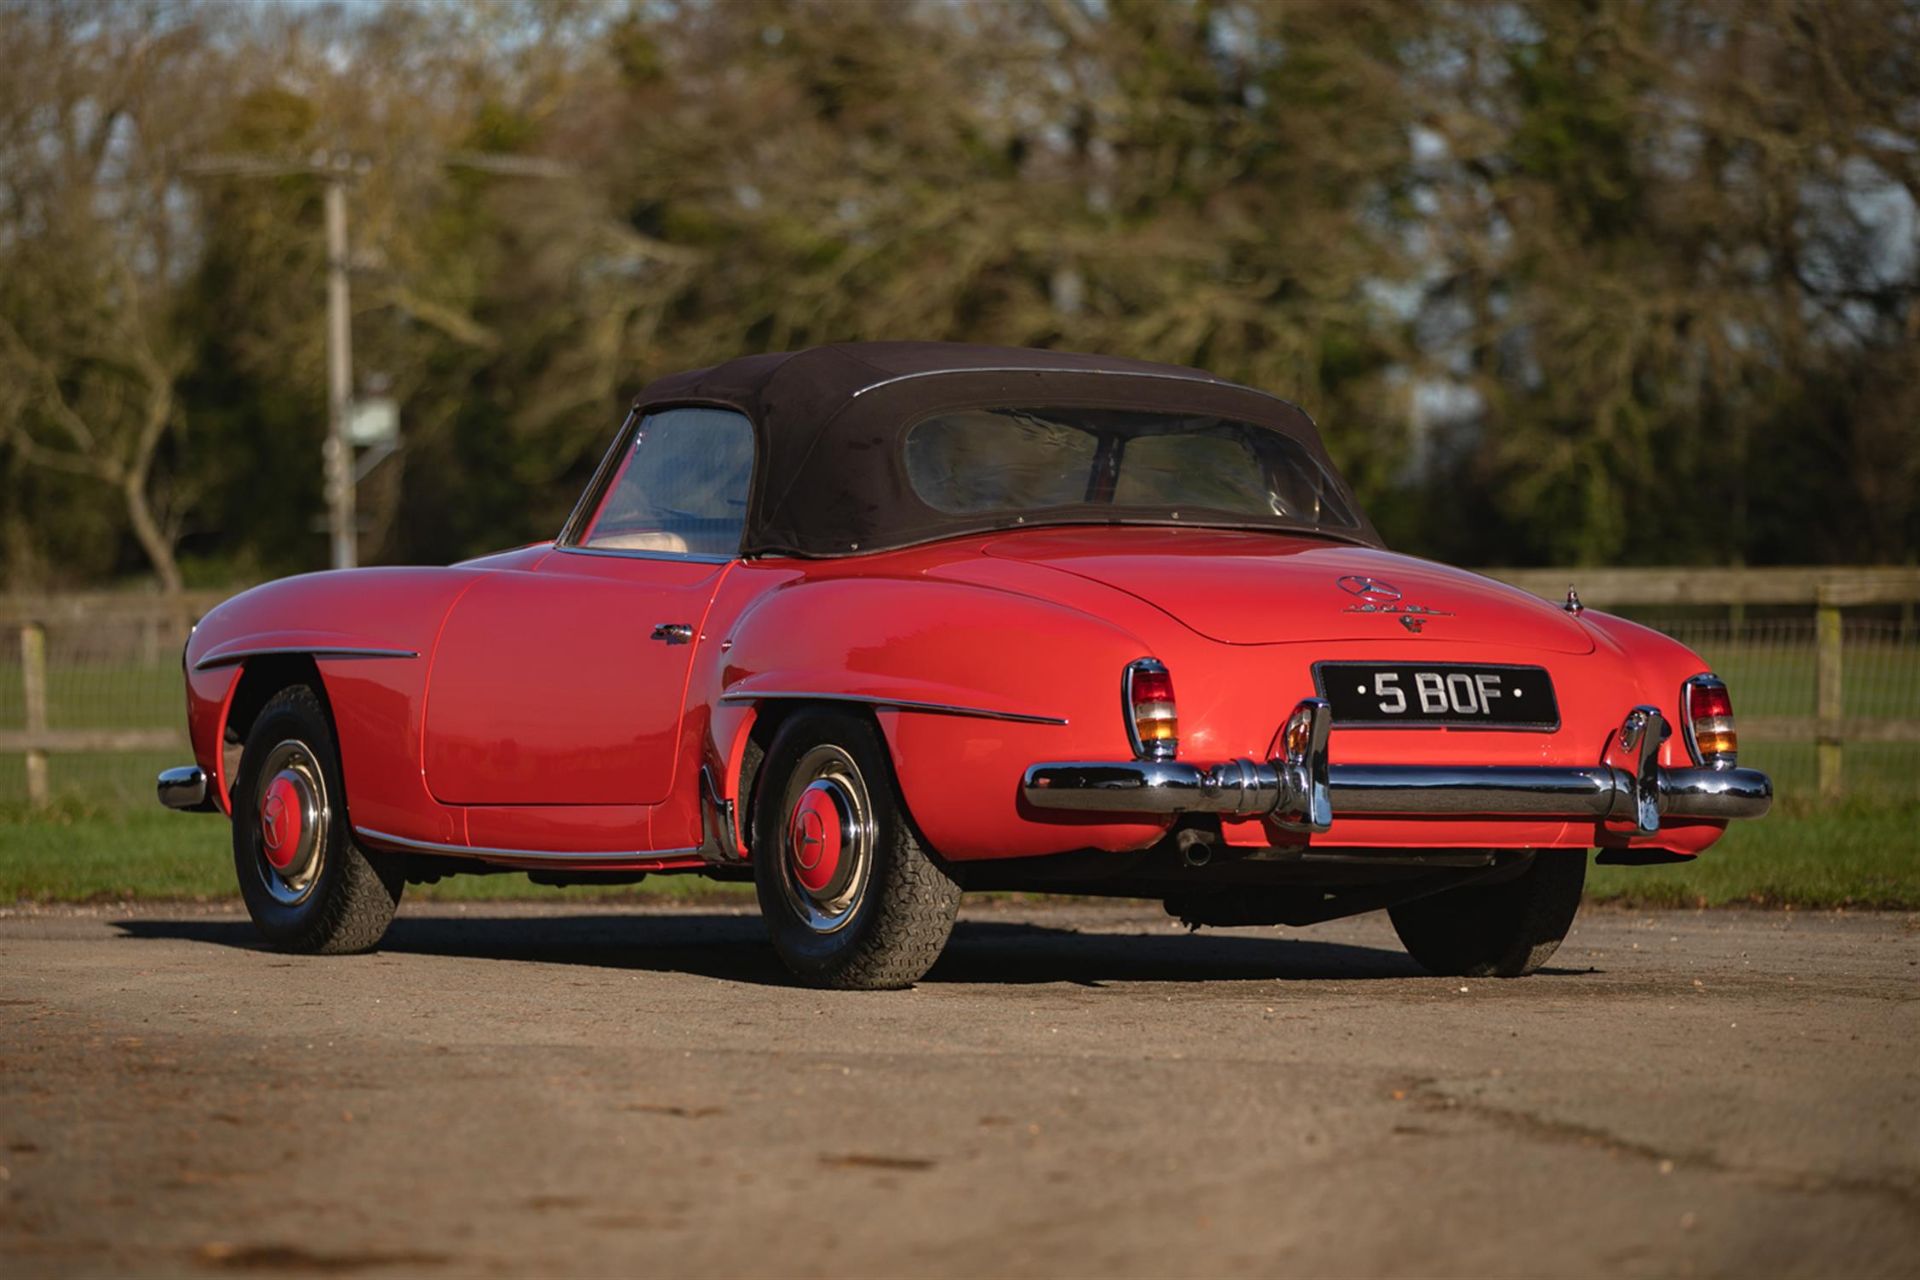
830, 419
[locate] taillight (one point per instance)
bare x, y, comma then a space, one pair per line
1152, 722
1710, 722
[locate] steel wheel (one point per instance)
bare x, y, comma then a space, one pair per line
294, 815
826, 855
306, 884
850, 898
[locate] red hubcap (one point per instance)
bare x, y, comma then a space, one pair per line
815, 837
282, 817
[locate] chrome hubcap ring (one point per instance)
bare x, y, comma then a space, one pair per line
827, 840
293, 816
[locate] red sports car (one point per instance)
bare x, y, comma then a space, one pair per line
875, 624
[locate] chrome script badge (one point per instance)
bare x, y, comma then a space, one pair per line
1375, 596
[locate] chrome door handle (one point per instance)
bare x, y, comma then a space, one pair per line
674, 632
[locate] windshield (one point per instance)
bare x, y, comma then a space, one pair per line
681, 489
1135, 465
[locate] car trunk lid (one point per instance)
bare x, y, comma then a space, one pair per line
1258, 588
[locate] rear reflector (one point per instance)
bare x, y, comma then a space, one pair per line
1709, 715
1152, 722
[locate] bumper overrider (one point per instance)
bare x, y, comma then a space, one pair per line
1300, 791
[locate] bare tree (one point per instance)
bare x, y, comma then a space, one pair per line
97, 114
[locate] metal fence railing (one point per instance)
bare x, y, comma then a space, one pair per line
1837, 684
1824, 666
1869, 749
91, 699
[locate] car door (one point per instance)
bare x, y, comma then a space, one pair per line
564, 684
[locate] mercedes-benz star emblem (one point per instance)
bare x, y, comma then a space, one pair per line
270, 816
813, 840
1371, 590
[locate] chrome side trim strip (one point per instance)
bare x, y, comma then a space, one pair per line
315, 651
545, 855
895, 704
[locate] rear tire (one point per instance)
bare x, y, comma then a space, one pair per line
850, 898
1505, 930
306, 884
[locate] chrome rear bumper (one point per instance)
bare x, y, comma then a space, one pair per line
1302, 792
184, 788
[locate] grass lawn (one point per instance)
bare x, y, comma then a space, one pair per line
1859, 856
80, 857
1853, 856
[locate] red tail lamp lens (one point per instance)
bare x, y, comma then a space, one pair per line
1710, 721
1150, 708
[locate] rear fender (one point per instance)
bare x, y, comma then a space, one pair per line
1660, 666
968, 684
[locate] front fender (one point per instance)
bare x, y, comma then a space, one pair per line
391, 612
370, 633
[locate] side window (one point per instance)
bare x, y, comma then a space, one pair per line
681, 489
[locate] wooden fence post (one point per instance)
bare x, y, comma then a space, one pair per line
1827, 710
33, 688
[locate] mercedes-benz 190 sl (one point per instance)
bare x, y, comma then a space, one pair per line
871, 625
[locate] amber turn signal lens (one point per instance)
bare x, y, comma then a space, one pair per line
1298, 733
1150, 708
1710, 722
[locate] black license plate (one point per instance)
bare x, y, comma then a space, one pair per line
1477, 695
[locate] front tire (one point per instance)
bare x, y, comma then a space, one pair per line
306, 884
850, 898
1505, 930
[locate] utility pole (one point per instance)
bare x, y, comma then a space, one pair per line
336, 170
338, 454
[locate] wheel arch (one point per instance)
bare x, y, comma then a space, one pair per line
774, 714
260, 678
263, 676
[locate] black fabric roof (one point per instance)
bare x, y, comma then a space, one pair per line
831, 479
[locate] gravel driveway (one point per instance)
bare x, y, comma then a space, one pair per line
1075, 1090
